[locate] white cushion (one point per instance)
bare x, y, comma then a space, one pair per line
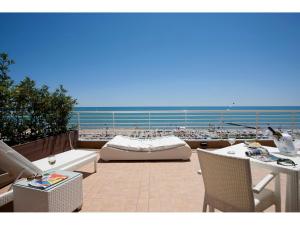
134, 144
126, 143
13, 162
166, 143
64, 159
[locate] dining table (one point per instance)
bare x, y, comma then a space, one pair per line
292, 172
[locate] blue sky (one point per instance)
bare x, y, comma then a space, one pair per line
159, 59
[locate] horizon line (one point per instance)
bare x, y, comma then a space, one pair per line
191, 106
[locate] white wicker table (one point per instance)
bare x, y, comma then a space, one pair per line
292, 203
65, 196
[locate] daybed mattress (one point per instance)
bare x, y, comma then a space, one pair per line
167, 152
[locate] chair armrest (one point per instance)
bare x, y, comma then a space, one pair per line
264, 182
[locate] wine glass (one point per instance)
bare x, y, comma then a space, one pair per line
231, 140
51, 160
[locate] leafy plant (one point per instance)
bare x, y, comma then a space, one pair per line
28, 112
5, 96
61, 106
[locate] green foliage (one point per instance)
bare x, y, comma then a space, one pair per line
5, 96
59, 116
28, 112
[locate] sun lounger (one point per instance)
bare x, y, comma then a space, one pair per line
17, 165
162, 148
69, 160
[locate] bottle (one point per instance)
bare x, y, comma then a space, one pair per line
276, 134
284, 142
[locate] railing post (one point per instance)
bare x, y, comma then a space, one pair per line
78, 120
294, 120
185, 118
113, 117
222, 125
149, 121
256, 124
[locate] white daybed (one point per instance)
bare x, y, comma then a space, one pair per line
162, 148
18, 166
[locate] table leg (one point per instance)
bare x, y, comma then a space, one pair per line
292, 192
278, 193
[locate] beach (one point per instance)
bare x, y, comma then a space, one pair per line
183, 133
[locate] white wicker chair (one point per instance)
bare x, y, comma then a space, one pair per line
228, 185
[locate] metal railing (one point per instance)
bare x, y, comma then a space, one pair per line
212, 120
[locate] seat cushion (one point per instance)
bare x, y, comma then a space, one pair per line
64, 159
135, 144
264, 200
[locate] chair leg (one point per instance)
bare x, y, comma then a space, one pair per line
277, 207
211, 209
95, 166
204, 206
204, 209
78, 209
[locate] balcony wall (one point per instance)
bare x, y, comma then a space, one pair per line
193, 144
42, 148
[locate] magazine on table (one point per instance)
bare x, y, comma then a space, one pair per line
256, 151
47, 180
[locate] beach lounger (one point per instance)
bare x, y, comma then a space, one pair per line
162, 148
18, 166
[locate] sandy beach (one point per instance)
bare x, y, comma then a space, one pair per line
186, 134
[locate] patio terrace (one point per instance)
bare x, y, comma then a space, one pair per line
158, 186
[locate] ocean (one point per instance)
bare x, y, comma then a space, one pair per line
194, 117
152, 108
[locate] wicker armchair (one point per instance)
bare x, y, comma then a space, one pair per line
228, 185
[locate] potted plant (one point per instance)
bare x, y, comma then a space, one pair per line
33, 119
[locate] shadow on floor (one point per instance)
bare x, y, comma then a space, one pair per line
84, 174
9, 207
144, 161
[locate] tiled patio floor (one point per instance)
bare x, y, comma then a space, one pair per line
157, 186
149, 187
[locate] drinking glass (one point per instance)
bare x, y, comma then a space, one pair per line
51, 160
231, 140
